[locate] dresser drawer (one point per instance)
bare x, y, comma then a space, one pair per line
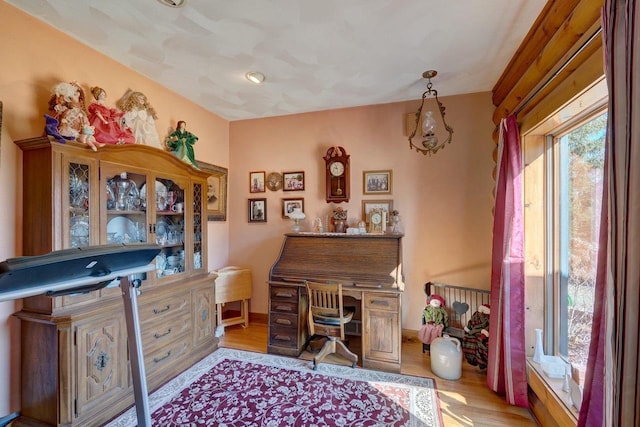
284, 320
283, 337
159, 309
166, 355
156, 334
284, 293
383, 302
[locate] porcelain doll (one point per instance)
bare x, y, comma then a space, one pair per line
181, 142
68, 115
140, 118
106, 121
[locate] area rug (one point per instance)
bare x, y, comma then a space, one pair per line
240, 388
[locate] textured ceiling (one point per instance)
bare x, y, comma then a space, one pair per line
316, 55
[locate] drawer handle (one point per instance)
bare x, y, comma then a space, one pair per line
160, 359
283, 322
283, 308
284, 294
380, 302
162, 310
282, 338
157, 335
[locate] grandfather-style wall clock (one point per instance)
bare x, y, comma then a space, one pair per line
337, 175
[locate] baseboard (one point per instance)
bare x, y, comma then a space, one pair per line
8, 418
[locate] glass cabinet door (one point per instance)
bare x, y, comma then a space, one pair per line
79, 203
198, 218
126, 207
169, 225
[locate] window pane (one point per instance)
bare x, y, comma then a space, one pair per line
581, 163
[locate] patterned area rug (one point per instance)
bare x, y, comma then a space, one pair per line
240, 388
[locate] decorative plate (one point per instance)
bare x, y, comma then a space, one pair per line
274, 181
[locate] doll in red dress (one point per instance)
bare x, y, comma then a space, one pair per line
106, 121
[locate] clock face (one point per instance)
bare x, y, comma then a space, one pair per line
376, 218
336, 168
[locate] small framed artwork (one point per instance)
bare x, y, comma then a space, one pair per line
258, 210
293, 181
384, 205
256, 182
216, 191
288, 205
377, 182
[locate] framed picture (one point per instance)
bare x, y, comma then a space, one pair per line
256, 182
293, 181
377, 182
385, 205
288, 205
216, 191
258, 210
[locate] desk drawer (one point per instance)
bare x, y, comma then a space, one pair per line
284, 293
284, 307
381, 302
283, 337
284, 320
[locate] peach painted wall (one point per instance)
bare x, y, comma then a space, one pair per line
35, 57
445, 201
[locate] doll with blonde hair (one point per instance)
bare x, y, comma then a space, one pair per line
140, 118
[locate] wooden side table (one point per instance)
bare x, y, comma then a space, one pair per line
233, 284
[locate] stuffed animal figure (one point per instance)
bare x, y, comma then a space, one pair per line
434, 318
476, 338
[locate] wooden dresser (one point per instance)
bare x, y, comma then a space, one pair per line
75, 362
370, 270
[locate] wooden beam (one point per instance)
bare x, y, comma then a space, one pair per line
566, 40
546, 25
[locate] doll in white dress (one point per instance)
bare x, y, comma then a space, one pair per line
140, 118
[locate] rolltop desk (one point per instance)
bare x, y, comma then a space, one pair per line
370, 270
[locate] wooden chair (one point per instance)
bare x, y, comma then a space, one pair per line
327, 317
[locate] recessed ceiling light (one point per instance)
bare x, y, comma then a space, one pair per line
173, 3
255, 77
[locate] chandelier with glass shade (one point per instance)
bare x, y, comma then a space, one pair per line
430, 143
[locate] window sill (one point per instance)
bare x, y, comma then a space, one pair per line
548, 391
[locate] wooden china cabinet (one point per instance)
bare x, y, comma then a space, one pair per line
75, 363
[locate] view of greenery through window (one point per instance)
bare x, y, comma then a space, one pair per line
580, 202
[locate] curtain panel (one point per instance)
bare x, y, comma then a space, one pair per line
506, 370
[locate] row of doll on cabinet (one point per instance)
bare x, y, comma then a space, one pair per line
131, 121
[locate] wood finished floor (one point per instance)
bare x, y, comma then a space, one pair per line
466, 402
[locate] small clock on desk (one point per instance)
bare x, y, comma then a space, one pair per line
337, 175
376, 219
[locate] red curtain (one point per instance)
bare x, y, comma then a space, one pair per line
612, 385
506, 370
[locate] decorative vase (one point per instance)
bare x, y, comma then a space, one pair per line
539, 351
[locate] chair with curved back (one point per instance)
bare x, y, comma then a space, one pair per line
327, 317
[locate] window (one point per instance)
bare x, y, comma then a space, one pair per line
563, 183
578, 176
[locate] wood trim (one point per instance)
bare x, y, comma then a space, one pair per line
561, 41
546, 25
545, 404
